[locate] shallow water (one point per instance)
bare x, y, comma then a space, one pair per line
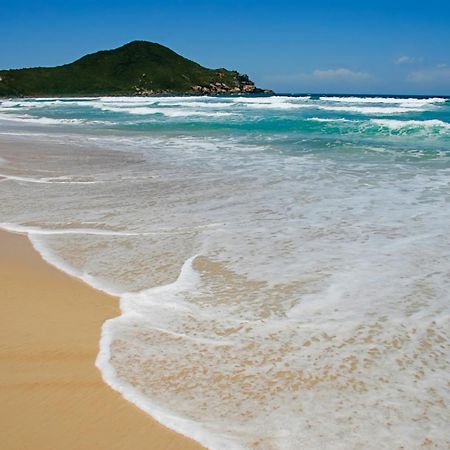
283, 262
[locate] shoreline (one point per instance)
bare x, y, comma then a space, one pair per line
248, 94
51, 393
155, 94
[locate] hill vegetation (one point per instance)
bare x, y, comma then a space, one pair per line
137, 68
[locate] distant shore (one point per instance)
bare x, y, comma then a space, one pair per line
156, 94
52, 396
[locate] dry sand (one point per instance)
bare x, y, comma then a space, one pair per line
52, 396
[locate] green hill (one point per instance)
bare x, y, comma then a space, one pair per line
137, 68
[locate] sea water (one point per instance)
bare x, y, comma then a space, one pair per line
283, 262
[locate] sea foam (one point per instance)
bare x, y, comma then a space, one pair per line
412, 124
283, 276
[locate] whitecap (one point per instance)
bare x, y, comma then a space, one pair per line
403, 124
405, 102
40, 120
371, 109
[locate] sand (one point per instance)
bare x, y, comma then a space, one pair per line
52, 396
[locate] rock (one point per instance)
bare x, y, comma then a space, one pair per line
241, 85
248, 88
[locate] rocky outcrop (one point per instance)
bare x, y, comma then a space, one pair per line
242, 85
218, 87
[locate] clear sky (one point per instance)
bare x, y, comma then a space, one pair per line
323, 46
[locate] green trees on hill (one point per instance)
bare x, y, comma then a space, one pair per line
137, 68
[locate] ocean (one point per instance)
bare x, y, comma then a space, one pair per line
283, 262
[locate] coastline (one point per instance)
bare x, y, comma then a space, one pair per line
51, 393
284, 320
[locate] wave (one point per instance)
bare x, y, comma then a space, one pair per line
150, 99
135, 110
381, 127
328, 120
10, 104
43, 102
129, 303
40, 120
147, 111
48, 180
387, 100
186, 281
198, 104
382, 110
213, 106
63, 99
188, 113
36, 235
196, 101
58, 262
271, 99
14, 228
278, 105
392, 124
273, 102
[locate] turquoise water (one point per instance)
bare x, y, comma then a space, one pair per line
283, 262
293, 114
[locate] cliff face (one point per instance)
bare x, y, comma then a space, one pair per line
137, 68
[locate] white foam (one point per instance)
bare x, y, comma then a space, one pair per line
187, 280
10, 104
201, 105
168, 112
55, 104
152, 99
275, 102
39, 120
280, 106
35, 231
327, 119
35, 236
215, 107
276, 99
15, 228
134, 110
321, 292
382, 110
163, 297
63, 99
405, 102
193, 113
41, 247
48, 180
402, 124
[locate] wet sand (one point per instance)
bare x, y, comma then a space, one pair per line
51, 394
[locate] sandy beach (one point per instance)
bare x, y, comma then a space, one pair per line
51, 394
281, 264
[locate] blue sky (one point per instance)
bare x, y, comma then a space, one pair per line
291, 46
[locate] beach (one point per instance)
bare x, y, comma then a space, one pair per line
281, 264
51, 394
